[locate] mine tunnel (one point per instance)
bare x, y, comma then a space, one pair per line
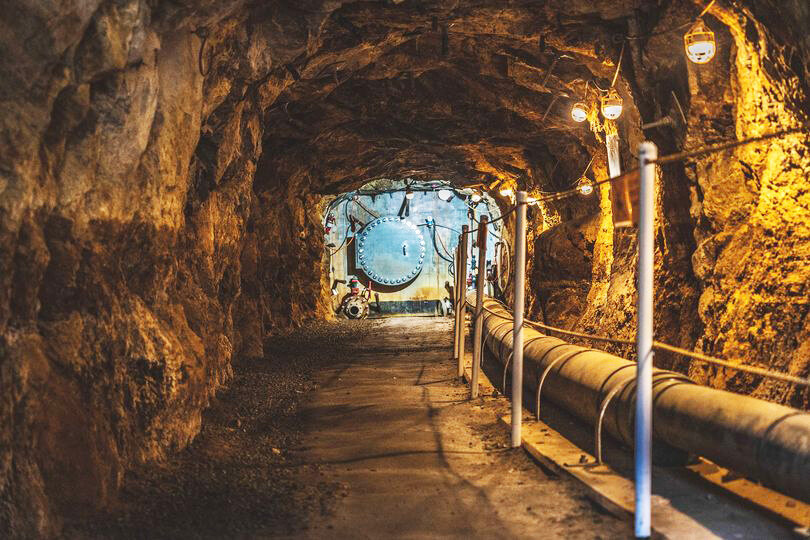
392, 248
404, 268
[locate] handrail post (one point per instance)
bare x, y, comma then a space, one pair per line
456, 294
644, 339
517, 328
462, 292
478, 349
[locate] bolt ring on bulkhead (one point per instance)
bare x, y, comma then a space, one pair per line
374, 273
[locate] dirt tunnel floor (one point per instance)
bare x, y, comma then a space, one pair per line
351, 429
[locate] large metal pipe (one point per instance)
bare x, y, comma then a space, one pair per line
763, 440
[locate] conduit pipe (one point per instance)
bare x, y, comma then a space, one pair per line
762, 440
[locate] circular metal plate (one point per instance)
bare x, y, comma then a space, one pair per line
355, 307
390, 250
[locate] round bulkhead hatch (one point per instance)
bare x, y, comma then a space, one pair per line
390, 251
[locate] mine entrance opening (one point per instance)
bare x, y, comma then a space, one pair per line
392, 243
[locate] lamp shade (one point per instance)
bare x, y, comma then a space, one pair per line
612, 105
579, 112
585, 186
699, 43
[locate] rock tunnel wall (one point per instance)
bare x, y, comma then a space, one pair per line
162, 167
732, 233
136, 257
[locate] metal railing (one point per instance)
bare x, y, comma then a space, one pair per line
661, 346
645, 342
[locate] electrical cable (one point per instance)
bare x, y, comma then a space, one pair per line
502, 216
719, 147
572, 183
603, 90
444, 227
446, 251
784, 377
346, 212
332, 204
348, 227
618, 65
680, 156
364, 207
662, 32
508, 270
581, 335
663, 160
433, 185
345, 237
202, 33
459, 232
436, 247
671, 158
657, 345
706, 9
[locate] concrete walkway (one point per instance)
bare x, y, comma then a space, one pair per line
415, 459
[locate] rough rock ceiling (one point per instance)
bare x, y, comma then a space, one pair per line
468, 92
162, 163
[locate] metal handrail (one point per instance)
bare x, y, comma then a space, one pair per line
660, 346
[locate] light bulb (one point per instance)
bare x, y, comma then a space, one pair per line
699, 43
409, 194
506, 192
475, 197
612, 105
579, 112
585, 186
445, 194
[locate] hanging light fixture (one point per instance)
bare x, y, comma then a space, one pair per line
506, 192
585, 186
699, 43
475, 197
612, 105
579, 112
445, 194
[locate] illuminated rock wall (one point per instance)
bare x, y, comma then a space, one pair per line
161, 193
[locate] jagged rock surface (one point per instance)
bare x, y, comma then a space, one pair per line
162, 166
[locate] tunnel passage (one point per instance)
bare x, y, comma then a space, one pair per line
165, 166
392, 246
